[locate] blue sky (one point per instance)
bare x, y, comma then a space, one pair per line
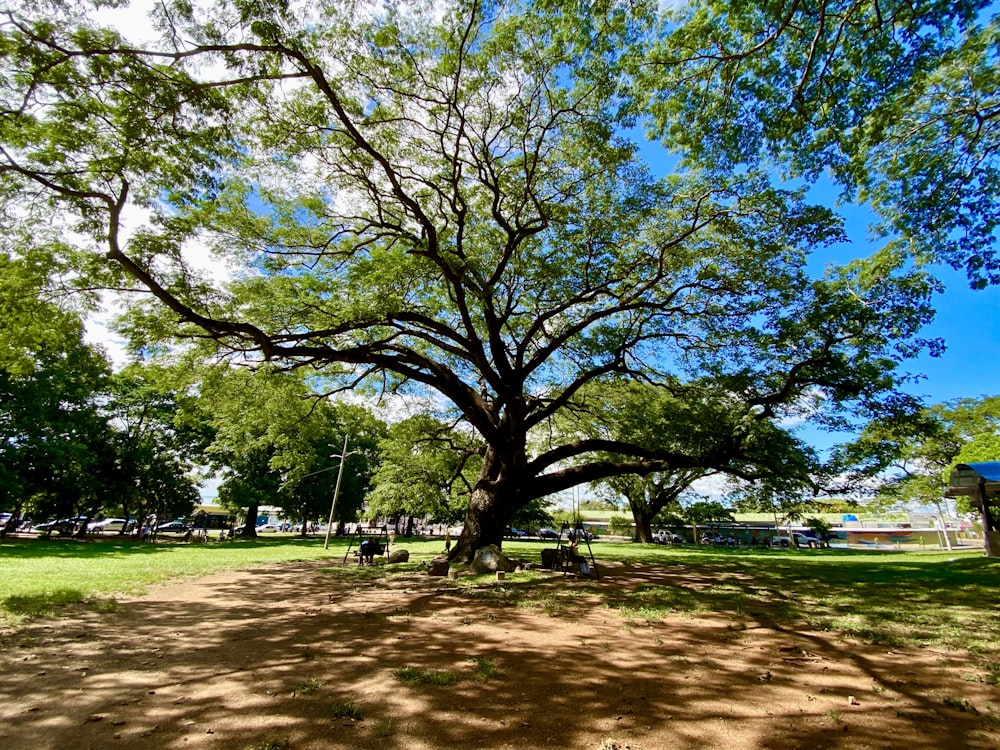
966, 320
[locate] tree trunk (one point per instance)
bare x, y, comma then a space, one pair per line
81, 533
250, 525
126, 514
496, 498
485, 521
643, 524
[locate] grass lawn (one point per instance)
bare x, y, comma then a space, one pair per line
946, 600
36, 574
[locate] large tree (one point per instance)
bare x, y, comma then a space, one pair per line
443, 199
53, 436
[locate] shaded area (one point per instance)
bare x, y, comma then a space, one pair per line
239, 660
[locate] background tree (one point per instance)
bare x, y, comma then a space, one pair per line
77, 440
159, 436
277, 444
703, 512
641, 414
649, 496
912, 458
428, 469
310, 496
533, 516
442, 199
620, 526
52, 435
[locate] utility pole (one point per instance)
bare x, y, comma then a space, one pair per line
336, 491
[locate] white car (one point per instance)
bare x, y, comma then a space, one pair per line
107, 524
268, 528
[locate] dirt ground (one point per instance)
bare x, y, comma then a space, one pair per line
262, 660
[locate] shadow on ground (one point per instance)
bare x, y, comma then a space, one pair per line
293, 657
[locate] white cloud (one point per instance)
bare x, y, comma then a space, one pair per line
714, 487
131, 20
98, 333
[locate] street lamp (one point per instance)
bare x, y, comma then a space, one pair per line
340, 473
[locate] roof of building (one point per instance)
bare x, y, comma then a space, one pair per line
965, 479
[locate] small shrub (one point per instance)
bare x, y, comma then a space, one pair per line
620, 526
989, 676
421, 676
346, 711
485, 668
959, 703
271, 745
307, 687
382, 728
105, 606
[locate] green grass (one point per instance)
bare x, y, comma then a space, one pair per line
37, 576
307, 687
893, 599
422, 676
485, 669
938, 599
345, 710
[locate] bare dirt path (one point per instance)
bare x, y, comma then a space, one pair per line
261, 660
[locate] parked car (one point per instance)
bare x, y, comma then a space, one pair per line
241, 529
806, 540
798, 538
547, 534
62, 527
174, 527
667, 537
511, 531
108, 524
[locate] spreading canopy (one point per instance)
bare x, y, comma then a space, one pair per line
443, 199
895, 101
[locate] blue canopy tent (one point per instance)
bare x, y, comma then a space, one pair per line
981, 482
